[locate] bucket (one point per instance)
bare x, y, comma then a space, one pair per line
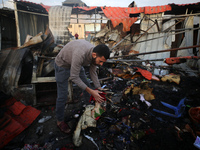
194, 114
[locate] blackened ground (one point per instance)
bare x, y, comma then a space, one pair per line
162, 133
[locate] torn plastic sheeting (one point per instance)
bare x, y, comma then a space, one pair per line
121, 15
148, 9
145, 73
117, 15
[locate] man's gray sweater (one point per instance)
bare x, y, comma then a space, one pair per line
73, 56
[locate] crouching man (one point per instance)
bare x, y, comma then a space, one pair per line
69, 65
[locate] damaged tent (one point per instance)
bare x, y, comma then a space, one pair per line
151, 81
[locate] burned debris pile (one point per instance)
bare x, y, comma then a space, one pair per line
148, 114
142, 110
127, 120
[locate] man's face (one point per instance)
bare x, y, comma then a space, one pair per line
96, 60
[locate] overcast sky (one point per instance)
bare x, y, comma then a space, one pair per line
112, 3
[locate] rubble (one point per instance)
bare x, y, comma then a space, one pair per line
128, 122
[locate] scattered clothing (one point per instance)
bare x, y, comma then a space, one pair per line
85, 121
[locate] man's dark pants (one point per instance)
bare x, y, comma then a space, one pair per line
62, 75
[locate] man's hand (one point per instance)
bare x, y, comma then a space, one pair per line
98, 97
95, 94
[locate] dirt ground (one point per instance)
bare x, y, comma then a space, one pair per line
151, 130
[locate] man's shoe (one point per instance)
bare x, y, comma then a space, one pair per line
64, 127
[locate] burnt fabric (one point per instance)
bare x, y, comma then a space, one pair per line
85, 121
144, 73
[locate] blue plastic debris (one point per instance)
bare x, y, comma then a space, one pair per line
179, 109
197, 142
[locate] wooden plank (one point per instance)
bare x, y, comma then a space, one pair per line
17, 25
44, 79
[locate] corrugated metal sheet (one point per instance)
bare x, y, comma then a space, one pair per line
59, 20
156, 44
15, 69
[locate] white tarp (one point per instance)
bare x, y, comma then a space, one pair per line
59, 20
188, 39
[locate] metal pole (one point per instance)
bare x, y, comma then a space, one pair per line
120, 42
159, 51
161, 36
95, 23
145, 32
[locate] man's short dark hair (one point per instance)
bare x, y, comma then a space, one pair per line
102, 50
